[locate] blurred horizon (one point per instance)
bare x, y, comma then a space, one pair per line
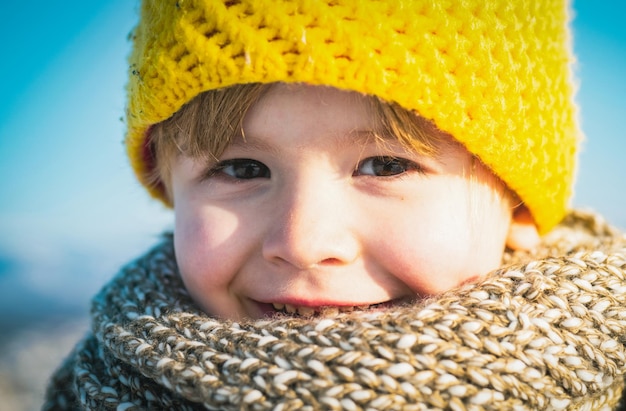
71, 212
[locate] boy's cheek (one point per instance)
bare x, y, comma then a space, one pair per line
433, 258
211, 244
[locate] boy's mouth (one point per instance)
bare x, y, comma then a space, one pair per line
324, 311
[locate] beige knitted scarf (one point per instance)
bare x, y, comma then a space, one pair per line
547, 331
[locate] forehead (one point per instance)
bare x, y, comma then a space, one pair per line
344, 117
314, 108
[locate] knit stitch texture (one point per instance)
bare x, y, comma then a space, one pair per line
494, 74
546, 331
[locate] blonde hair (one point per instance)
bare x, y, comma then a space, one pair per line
204, 127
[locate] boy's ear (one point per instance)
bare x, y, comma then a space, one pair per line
523, 234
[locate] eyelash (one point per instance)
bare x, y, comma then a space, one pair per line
253, 166
387, 167
388, 161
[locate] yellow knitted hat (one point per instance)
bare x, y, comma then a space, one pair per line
495, 74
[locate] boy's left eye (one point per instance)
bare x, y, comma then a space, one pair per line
385, 166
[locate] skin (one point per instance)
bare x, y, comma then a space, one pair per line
311, 211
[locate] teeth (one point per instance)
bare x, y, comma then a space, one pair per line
330, 311
306, 311
311, 311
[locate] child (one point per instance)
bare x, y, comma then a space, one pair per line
358, 190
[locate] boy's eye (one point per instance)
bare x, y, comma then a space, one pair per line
241, 169
383, 166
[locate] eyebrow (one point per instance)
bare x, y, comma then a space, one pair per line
246, 143
340, 140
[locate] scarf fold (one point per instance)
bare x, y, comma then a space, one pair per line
546, 331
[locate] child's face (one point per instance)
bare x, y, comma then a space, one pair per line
310, 211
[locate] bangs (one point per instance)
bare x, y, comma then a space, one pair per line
204, 128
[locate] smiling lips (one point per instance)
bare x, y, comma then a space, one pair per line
324, 311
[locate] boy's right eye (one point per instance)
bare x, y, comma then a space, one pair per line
241, 169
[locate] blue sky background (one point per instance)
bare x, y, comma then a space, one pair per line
71, 211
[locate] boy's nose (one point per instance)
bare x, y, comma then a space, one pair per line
311, 229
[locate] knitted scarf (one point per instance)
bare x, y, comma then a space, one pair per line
546, 331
